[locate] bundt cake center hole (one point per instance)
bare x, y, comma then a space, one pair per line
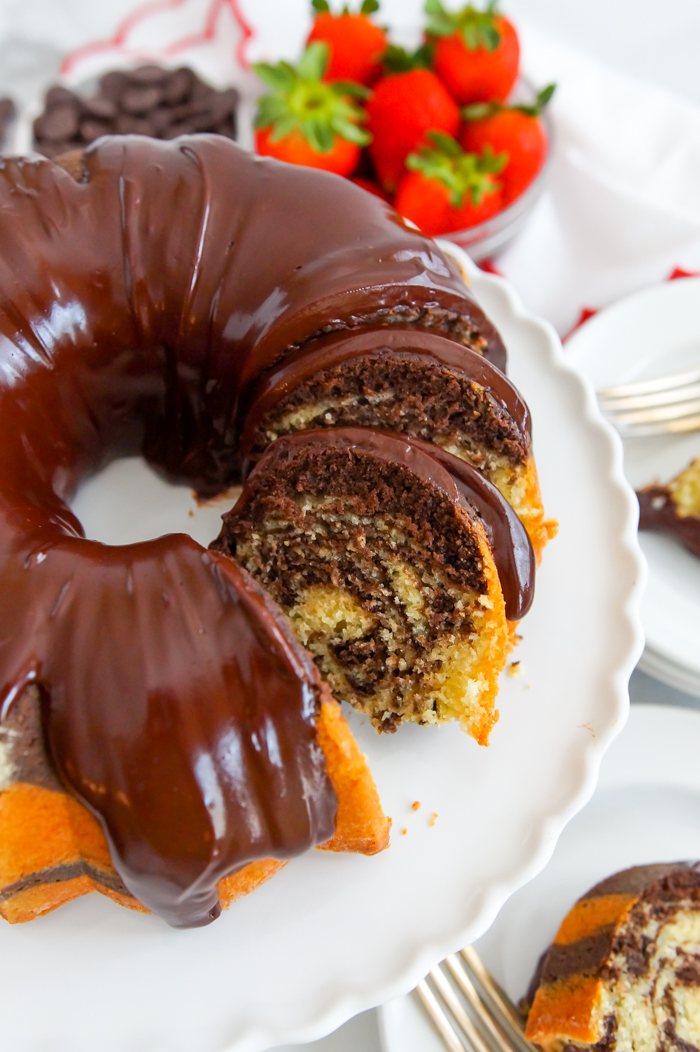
128, 502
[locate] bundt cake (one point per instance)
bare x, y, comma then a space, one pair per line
382, 557
623, 972
674, 508
154, 705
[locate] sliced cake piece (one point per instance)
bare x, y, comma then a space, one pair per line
385, 571
623, 972
674, 508
416, 383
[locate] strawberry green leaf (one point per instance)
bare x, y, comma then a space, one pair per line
350, 87
541, 100
477, 28
321, 7
280, 77
312, 64
301, 101
282, 127
270, 109
318, 134
462, 173
350, 131
478, 110
398, 60
369, 7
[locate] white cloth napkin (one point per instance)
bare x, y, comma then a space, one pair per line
622, 207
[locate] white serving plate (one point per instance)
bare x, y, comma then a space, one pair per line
335, 934
652, 333
646, 809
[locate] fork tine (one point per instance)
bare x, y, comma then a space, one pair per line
662, 427
649, 401
468, 989
497, 995
457, 1010
440, 1021
661, 383
650, 416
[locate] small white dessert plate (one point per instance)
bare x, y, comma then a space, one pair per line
335, 934
654, 333
646, 809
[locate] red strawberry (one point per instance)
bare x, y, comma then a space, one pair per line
515, 130
356, 43
447, 189
306, 121
477, 53
402, 108
370, 186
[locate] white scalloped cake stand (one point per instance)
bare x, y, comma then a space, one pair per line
335, 934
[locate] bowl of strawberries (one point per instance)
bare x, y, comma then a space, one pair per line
450, 134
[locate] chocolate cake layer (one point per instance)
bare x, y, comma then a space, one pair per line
418, 383
382, 564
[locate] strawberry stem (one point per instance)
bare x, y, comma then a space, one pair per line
462, 173
367, 7
398, 60
478, 28
301, 101
478, 111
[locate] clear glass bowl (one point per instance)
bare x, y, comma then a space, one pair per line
487, 239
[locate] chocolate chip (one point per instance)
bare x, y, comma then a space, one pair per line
150, 101
178, 86
147, 75
138, 101
101, 107
58, 96
60, 122
91, 129
127, 125
160, 119
113, 84
223, 104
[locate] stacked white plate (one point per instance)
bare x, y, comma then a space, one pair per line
653, 333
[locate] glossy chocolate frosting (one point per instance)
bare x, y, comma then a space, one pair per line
508, 538
328, 351
139, 304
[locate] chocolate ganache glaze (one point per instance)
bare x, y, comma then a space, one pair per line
139, 304
338, 347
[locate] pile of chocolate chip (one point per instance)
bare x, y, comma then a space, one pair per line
150, 100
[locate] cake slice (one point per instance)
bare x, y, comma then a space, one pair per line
674, 508
417, 383
623, 972
384, 567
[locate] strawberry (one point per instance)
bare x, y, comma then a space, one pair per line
515, 130
306, 121
447, 189
370, 186
402, 108
356, 43
477, 53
